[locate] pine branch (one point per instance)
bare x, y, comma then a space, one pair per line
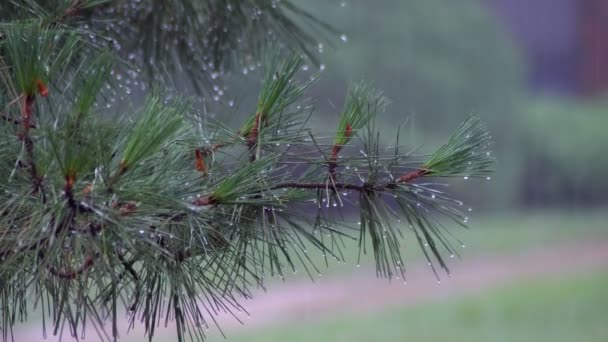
362, 104
137, 208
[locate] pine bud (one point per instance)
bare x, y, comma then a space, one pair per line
200, 161
349, 131
42, 88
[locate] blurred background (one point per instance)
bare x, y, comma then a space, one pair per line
534, 264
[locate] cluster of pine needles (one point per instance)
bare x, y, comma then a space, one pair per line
153, 214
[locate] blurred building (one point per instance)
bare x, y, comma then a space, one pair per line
565, 42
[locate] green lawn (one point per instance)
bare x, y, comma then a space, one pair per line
572, 309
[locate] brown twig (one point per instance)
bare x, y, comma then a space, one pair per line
73, 274
409, 177
406, 178
252, 138
333, 159
68, 190
14, 121
71, 11
27, 110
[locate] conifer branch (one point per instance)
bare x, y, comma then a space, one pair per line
133, 208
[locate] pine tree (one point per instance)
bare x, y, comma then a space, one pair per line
167, 213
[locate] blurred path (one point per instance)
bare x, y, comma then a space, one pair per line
361, 292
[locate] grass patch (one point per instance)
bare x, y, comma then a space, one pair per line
573, 309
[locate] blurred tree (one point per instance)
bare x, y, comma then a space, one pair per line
168, 213
562, 142
593, 55
432, 58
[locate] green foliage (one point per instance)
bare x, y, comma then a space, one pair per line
156, 125
361, 105
438, 61
278, 92
466, 153
103, 209
30, 50
567, 138
96, 74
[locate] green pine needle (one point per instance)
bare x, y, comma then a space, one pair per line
36, 52
95, 76
244, 184
279, 91
362, 104
465, 154
156, 125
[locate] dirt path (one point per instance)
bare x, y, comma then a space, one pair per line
359, 291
